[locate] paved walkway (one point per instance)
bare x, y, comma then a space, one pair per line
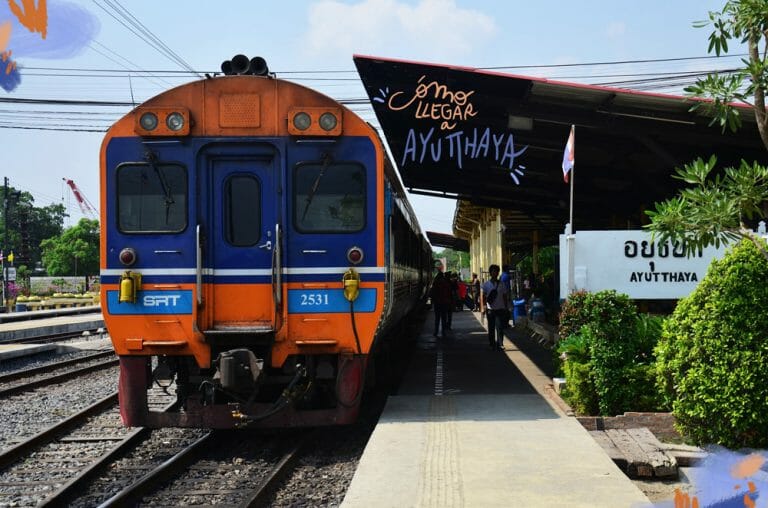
472, 427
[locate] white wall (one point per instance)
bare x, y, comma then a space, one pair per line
630, 263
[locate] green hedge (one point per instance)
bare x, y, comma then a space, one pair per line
713, 355
604, 333
579, 388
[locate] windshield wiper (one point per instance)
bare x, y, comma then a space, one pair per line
326, 162
152, 160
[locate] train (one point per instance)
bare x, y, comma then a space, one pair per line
257, 251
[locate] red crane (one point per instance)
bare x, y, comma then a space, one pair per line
85, 206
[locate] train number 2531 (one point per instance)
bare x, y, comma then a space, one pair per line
314, 299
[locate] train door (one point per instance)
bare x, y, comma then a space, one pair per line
239, 242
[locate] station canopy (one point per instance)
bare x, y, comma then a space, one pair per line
494, 140
449, 241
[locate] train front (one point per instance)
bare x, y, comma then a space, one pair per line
242, 258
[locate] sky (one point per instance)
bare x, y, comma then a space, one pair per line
90, 54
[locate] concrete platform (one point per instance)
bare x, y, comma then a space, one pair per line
49, 324
10, 351
475, 427
94, 343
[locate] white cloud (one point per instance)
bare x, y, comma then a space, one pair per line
616, 29
428, 29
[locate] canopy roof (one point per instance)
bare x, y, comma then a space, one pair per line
496, 140
449, 241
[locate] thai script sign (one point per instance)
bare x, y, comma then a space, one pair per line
631, 262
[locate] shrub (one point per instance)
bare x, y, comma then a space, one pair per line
574, 348
576, 366
579, 388
573, 314
713, 353
646, 396
648, 331
605, 322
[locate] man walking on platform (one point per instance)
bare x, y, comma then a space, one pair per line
494, 302
441, 302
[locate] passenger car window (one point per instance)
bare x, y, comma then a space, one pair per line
151, 198
329, 197
242, 210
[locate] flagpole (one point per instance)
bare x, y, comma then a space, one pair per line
571, 239
573, 177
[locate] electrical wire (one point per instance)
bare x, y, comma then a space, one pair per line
146, 35
63, 95
139, 25
148, 78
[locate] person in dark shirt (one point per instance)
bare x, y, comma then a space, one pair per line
475, 289
442, 301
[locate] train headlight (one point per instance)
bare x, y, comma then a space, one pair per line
355, 255
175, 121
127, 256
302, 121
148, 121
162, 121
328, 121
314, 121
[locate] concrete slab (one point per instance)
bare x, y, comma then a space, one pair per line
494, 450
472, 427
9, 351
52, 325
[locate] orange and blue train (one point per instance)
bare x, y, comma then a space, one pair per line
257, 250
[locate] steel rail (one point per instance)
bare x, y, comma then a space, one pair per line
70, 490
49, 337
14, 453
259, 494
166, 471
13, 390
52, 366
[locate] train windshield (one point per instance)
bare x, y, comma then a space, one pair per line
151, 198
329, 197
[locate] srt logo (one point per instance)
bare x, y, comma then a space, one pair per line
160, 300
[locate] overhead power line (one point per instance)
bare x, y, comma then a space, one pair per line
130, 22
129, 71
613, 62
64, 106
68, 102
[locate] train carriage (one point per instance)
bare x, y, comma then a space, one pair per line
256, 249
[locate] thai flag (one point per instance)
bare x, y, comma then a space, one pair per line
569, 154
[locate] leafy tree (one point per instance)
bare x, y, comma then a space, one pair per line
747, 21
547, 259
713, 209
454, 258
75, 251
29, 225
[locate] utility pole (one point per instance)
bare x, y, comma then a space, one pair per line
6, 204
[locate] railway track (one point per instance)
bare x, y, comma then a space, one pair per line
53, 373
51, 467
47, 338
226, 468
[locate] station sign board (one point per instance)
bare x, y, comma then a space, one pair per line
631, 262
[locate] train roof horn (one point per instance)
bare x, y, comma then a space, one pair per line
242, 65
